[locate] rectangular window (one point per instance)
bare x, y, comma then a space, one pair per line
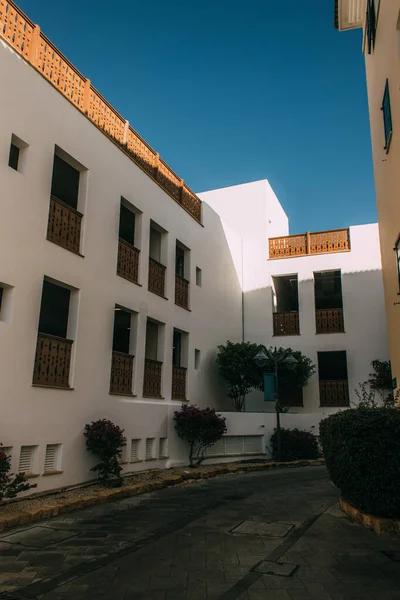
65, 182
127, 225
13, 157
387, 117
397, 250
149, 448
122, 330
26, 459
286, 305
1, 297
177, 348
54, 309
328, 302
151, 351
197, 356
180, 261
163, 448
199, 277
134, 450
333, 379
51, 460
371, 25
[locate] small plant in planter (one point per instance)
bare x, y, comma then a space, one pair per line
10, 484
106, 440
201, 428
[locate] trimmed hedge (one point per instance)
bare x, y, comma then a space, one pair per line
362, 452
296, 445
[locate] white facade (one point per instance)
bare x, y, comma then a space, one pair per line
43, 426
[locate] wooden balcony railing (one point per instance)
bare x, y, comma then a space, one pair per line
52, 361
27, 40
178, 383
121, 373
322, 242
156, 277
128, 261
152, 378
181, 291
329, 320
286, 323
334, 393
64, 225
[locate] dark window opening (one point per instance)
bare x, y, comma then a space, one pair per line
328, 290
122, 331
1, 296
332, 366
371, 25
13, 157
151, 351
177, 349
387, 116
199, 277
155, 244
65, 182
287, 293
127, 225
54, 310
180, 261
397, 250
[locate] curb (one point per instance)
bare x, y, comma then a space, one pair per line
377, 524
164, 480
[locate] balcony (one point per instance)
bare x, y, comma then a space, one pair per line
322, 242
156, 277
329, 320
152, 378
64, 225
128, 261
181, 292
178, 383
121, 373
334, 393
286, 323
52, 361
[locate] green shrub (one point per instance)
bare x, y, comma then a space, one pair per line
295, 445
362, 451
106, 440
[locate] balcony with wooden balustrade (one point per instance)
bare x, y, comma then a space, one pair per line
121, 374
334, 393
152, 378
178, 383
52, 361
181, 291
322, 242
286, 323
64, 225
27, 40
128, 261
156, 277
329, 320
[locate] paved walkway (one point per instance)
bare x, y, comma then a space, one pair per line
268, 535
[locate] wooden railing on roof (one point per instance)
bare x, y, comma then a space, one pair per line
320, 242
26, 38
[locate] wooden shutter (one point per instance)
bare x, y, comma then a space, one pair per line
387, 116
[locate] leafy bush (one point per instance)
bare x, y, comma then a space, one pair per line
361, 447
10, 484
201, 428
106, 440
237, 367
296, 444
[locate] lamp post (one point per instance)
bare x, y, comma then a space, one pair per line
277, 357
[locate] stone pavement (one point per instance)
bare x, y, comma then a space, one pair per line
271, 535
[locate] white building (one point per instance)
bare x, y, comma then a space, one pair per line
117, 284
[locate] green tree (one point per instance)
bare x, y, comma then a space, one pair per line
237, 367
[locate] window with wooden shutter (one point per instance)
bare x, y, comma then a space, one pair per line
26, 459
387, 117
134, 450
163, 448
371, 25
51, 458
149, 448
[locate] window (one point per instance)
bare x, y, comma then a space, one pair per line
397, 250
231, 445
54, 309
328, 302
13, 157
177, 348
65, 182
163, 448
371, 24
387, 117
122, 330
180, 261
17, 147
199, 276
151, 350
286, 305
26, 459
52, 458
333, 379
127, 225
134, 450
149, 448
197, 356
1, 297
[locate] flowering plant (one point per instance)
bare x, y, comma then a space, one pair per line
106, 440
201, 428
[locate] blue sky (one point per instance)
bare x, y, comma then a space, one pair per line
229, 91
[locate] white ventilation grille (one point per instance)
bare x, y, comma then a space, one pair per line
26, 459
252, 444
217, 449
163, 450
234, 444
149, 448
135, 450
231, 445
51, 457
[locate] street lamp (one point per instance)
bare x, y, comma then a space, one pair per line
277, 357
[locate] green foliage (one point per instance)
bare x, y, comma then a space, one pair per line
381, 378
380, 382
298, 377
237, 367
106, 440
296, 444
10, 484
200, 427
361, 447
